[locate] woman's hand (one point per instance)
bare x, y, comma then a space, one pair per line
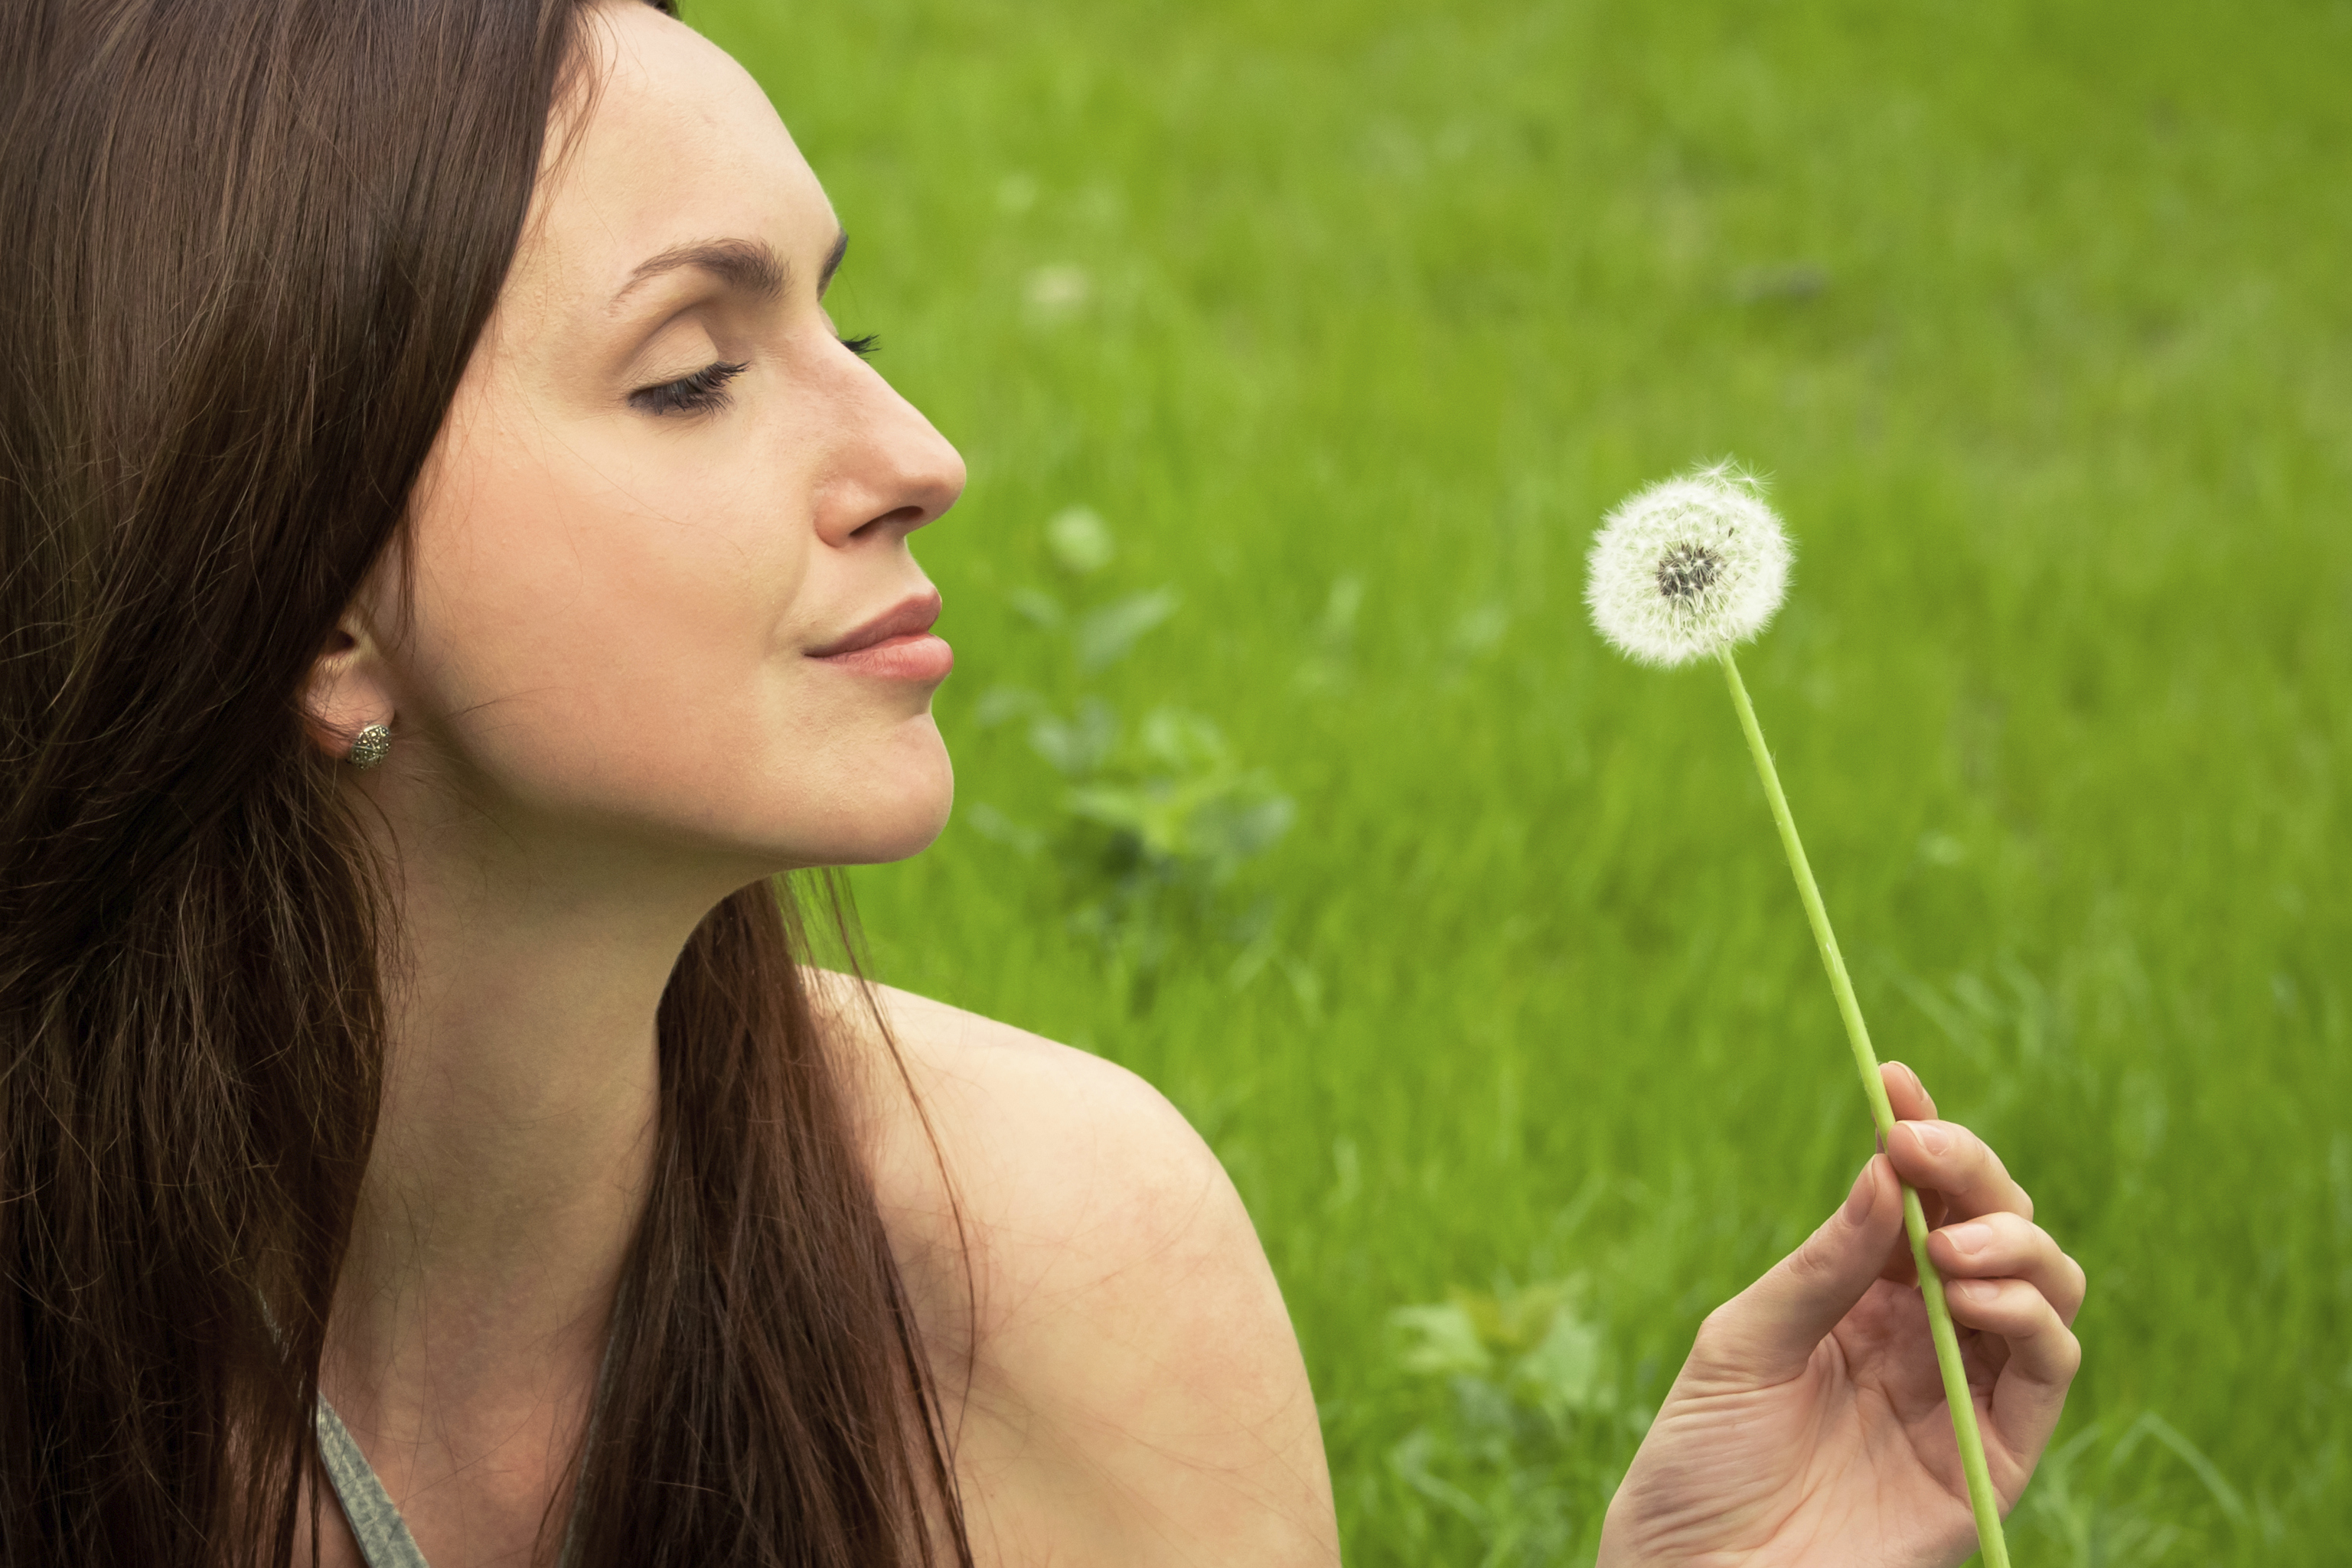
1809, 1425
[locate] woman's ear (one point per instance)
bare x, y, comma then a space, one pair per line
347, 689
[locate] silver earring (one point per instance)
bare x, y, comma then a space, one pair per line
370, 746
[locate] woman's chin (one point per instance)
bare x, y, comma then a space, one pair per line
902, 837
894, 816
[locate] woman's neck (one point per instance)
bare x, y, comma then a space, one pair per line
519, 1124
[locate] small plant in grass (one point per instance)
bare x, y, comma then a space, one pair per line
1538, 1408
1155, 814
1687, 569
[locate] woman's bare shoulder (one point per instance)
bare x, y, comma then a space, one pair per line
1037, 1158
1116, 1354
1016, 1116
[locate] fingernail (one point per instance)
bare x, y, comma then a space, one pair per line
1931, 1138
1916, 1084
1858, 1201
1980, 1292
1968, 1239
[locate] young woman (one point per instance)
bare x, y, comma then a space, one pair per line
449, 567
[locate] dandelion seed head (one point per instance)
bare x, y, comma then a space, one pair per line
1688, 567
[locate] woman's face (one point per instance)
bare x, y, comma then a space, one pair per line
667, 497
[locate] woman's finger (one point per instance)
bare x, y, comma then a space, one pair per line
2000, 1245
1909, 1097
2043, 1355
1769, 1332
1946, 1157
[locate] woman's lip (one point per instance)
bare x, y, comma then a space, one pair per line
910, 617
909, 656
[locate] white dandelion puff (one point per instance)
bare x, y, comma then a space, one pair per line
1687, 568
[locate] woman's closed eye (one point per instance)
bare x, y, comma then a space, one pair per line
700, 392
705, 389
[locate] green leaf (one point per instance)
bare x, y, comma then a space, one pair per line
1444, 1342
1104, 635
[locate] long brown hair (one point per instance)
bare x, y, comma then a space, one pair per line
246, 249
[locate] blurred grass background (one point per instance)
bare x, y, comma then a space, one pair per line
1348, 320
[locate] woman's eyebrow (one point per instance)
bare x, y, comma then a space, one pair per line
750, 265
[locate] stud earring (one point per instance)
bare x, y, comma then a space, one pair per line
370, 746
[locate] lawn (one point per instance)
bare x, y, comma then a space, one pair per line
1343, 323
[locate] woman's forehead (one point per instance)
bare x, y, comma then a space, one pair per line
679, 144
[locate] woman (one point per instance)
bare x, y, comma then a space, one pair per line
451, 566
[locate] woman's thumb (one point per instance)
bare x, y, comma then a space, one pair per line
1766, 1333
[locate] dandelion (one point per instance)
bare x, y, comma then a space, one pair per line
1688, 569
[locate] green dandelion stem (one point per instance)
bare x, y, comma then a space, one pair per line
1981, 1499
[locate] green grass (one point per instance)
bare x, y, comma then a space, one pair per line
2036, 317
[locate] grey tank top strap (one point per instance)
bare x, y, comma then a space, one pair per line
376, 1523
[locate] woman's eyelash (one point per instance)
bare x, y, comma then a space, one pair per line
700, 392
705, 389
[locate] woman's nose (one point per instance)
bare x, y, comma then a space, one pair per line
897, 472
